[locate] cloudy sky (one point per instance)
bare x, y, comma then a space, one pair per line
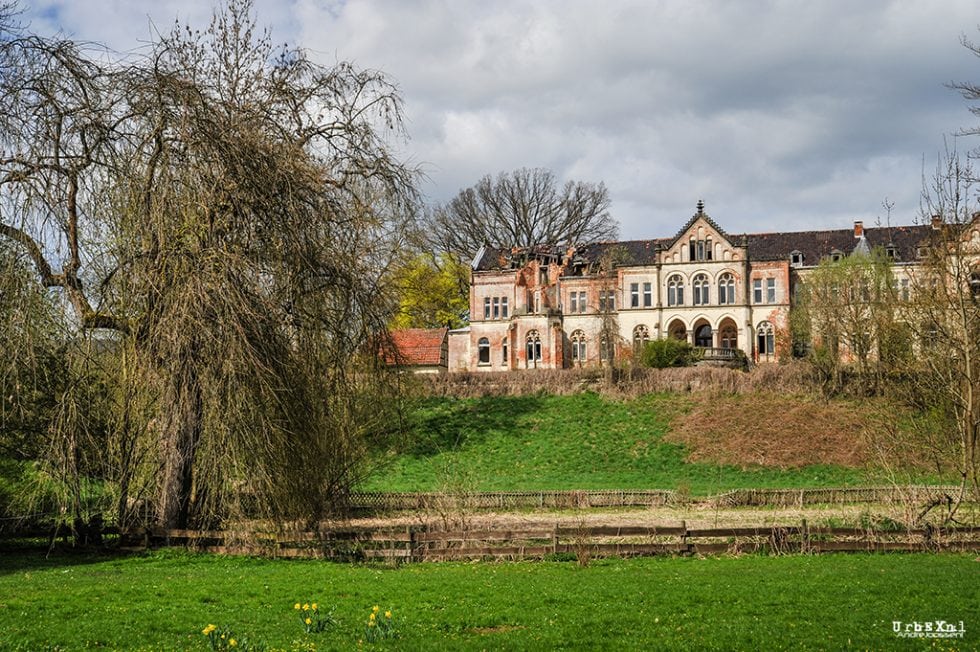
780, 115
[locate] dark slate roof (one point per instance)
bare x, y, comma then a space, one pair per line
815, 245
626, 252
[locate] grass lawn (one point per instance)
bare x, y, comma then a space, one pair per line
580, 441
162, 601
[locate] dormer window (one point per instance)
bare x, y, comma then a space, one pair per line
921, 252
891, 251
796, 258
836, 255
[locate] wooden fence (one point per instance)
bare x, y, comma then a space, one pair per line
543, 540
500, 500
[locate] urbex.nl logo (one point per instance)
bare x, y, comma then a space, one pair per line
928, 629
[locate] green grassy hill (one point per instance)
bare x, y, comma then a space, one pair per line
580, 441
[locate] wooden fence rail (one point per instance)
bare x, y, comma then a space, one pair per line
541, 540
435, 501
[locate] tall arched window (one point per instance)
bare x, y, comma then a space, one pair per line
765, 339
703, 336
605, 353
533, 348
675, 291
578, 347
483, 346
701, 288
641, 335
728, 335
726, 289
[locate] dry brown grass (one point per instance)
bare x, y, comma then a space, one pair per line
773, 430
625, 382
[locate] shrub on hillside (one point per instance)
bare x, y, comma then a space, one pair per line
668, 352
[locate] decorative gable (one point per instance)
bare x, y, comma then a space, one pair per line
701, 240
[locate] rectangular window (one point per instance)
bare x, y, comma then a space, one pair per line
486, 308
905, 289
503, 357
707, 249
634, 295
573, 301
581, 302
757, 290
770, 290
503, 309
647, 295
496, 307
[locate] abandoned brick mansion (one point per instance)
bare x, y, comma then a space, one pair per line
551, 308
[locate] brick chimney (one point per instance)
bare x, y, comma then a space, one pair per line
858, 229
937, 221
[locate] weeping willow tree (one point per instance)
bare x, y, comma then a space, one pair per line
222, 214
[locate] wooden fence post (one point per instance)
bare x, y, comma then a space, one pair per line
554, 540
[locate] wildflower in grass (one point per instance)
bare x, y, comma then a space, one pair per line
313, 620
221, 638
379, 629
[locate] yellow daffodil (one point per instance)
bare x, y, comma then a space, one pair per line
314, 606
309, 621
372, 616
233, 642
371, 623
207, 630
296, 606
306, 607
387, 614
375, 608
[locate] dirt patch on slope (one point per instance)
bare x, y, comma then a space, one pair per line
772, 430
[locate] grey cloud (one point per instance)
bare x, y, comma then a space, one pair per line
779, 114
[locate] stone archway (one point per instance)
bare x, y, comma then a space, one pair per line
703, 335
677, 330
727, 334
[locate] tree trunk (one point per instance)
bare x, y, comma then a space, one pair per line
180, 435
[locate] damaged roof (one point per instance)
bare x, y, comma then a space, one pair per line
813, 245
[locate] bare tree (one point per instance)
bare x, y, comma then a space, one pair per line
945, 311
522, 208
229, 210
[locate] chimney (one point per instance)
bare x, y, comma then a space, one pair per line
937, 221
858, 229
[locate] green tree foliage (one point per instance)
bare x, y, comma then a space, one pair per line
667, 352
433, 291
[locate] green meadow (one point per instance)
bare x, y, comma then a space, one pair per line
164, 600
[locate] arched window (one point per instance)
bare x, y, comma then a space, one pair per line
765, 339
578, 347
675, 291
701, 290
533, 348
484, 348
726, 289
605, 353
641, 335
728, 335
703, 336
